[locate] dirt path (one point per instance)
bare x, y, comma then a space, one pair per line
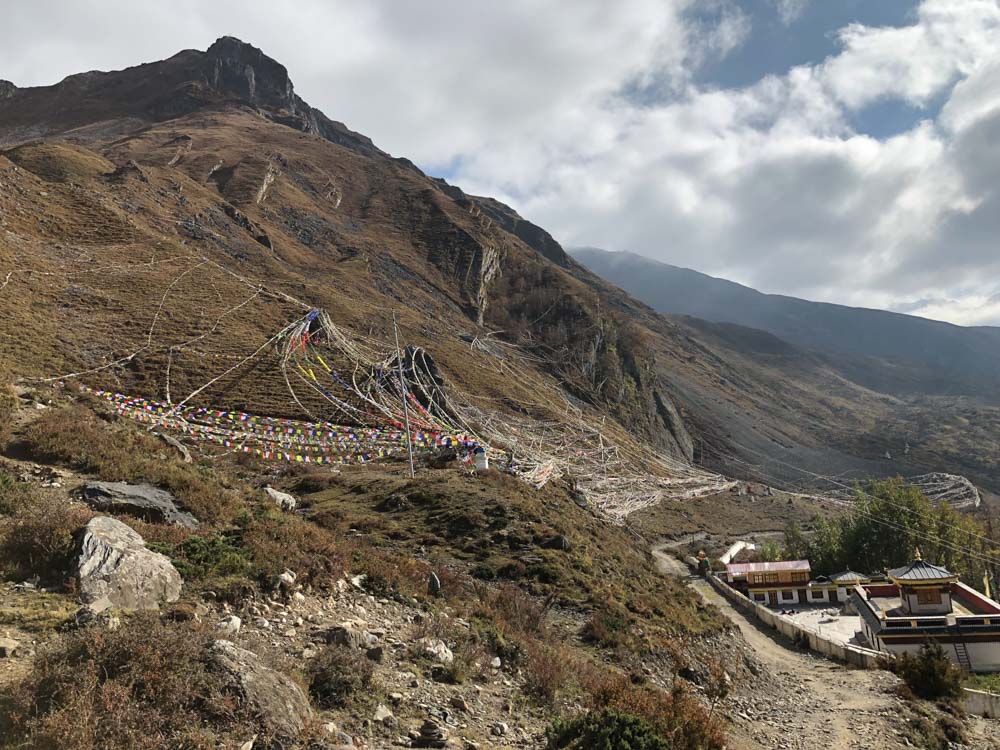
801, 701
810, 702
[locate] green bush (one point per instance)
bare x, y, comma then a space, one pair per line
604, 730
930, 674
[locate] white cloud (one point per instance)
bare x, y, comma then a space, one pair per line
586, 119
789, 11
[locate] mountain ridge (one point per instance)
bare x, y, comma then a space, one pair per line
969, 357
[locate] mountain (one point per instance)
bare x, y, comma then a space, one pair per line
161, 226
883, 350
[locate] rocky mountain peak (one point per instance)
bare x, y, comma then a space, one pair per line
236, 68
7, 89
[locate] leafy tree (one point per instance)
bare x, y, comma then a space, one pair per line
887, 522
796, 544
930, 674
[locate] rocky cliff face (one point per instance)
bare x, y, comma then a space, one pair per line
7, 89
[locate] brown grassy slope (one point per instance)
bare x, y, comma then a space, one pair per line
108, 264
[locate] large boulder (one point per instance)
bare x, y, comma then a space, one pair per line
139, 500
113, 562
282, 499
278, 702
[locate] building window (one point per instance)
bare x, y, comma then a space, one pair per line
933, 596
816, 594
787, 595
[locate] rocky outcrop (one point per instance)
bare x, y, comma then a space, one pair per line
282, 499
7, 89
139, 500
278, 702
113, 562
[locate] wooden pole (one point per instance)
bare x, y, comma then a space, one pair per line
402, 393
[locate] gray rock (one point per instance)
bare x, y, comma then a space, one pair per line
230, 625
139, 500
433, 584
436, 649
8, 648
113, 563
280, 704
347, 634
282, 499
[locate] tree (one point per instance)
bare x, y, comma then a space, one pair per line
930, 674
888, 521
796, 544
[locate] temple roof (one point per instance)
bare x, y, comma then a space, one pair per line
848, 575
920, 571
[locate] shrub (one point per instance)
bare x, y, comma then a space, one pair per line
8, 408
144, 685
39, 540
337, 674
201, 557
547, 669
15, 496
930, 674
604, 730
676, 715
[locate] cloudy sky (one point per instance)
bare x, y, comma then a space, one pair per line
838, 150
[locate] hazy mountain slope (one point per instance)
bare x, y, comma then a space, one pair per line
918, 355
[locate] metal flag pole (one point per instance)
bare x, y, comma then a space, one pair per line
402, 393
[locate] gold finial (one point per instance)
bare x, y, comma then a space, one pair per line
916, 554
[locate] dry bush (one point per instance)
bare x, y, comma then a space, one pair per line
514, 612
547, 669
15, 496
39, 540
143, 686
338, 675
677, 716
274, 541
77, 437
8, 409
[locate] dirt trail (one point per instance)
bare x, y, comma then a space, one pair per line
802, 701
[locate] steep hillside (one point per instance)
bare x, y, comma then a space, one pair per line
162, 228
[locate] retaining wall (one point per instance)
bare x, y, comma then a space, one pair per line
976, 702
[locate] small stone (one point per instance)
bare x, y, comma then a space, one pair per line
287, 580
383, 715
496, 663
262, 622
376, 654
457, 701
500, 729
8, 648
229, 626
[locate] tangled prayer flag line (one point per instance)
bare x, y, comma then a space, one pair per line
276, 438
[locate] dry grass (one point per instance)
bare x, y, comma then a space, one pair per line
117, 451
39, 540
143, 687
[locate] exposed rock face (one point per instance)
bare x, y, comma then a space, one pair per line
113, 562
7, 89
140, 500
279, 703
